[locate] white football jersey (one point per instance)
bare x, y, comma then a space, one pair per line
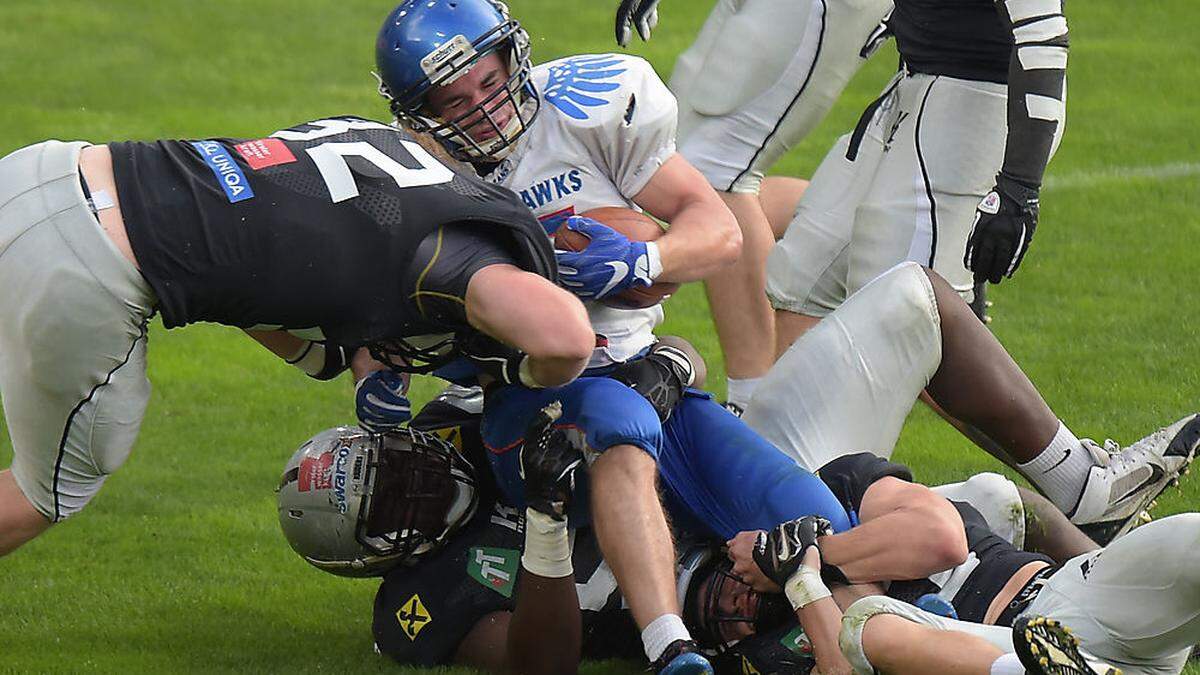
606, 124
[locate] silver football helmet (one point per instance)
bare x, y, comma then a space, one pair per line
357, 504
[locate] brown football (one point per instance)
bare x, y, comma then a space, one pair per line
638, 227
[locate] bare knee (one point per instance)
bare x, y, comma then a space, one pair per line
19, 520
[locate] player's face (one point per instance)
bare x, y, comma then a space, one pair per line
475, 101
730, 613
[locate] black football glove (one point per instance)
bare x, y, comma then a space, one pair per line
549, 461
1004, 224
492, 356
640, 13
779, 553
660, 377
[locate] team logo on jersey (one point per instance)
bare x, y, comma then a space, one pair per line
557, 187
413, 617
797, 642
228, 173
552, 221
574, 83
494, 568
264, 152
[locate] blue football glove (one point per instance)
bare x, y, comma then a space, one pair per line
610, 264
380, 403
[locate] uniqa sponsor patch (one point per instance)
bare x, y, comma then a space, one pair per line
229, 174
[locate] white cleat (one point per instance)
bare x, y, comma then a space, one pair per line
1123, 485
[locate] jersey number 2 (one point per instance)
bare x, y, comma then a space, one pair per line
330, 158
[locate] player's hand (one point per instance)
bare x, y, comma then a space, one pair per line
549, 461
610, 264
1004, 224
640, 13
380, 401
780, 552
492, 357
660, 377
740, 550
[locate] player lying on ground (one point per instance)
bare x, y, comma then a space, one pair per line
569, 136
341, 230
456, 604
702, 483
908, 331
1132, 604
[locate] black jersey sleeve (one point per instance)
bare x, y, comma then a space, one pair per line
850, 476
1036, 85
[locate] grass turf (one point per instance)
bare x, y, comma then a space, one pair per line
178, 564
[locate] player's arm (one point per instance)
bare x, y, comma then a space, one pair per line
318, 360
789, 557
703, 236
543, 634
1037, 89
933, 537
532, 314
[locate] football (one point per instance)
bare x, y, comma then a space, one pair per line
635, 225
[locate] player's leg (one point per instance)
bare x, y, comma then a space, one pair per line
721, 476
1136, 603
760, 76
867, 360
778, 197
807, 269
623, 438
886, 635
72, 343
1105, 490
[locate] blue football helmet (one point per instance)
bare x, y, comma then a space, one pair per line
429, 43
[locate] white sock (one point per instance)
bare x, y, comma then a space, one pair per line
660, 633
739, 392
1061, 470
1007, 664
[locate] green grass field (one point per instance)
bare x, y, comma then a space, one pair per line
178, 565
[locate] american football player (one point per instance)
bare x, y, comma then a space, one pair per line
342, 231
944, 168
1131, 605
461, 544
908, 331
759, 77
568, 136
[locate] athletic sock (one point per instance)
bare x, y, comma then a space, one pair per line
739, 392
1061, 470
660, 633
1007, 664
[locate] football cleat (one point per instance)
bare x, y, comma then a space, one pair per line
733, 408
1125, 482
682, 657
1046, 647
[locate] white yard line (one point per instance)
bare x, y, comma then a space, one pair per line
1117, 174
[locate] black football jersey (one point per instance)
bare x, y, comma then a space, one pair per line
311, 229
969, 587
966, 39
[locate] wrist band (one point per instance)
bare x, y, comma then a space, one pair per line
805, 587
310, 358
653, 260
525, 374
547, 546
